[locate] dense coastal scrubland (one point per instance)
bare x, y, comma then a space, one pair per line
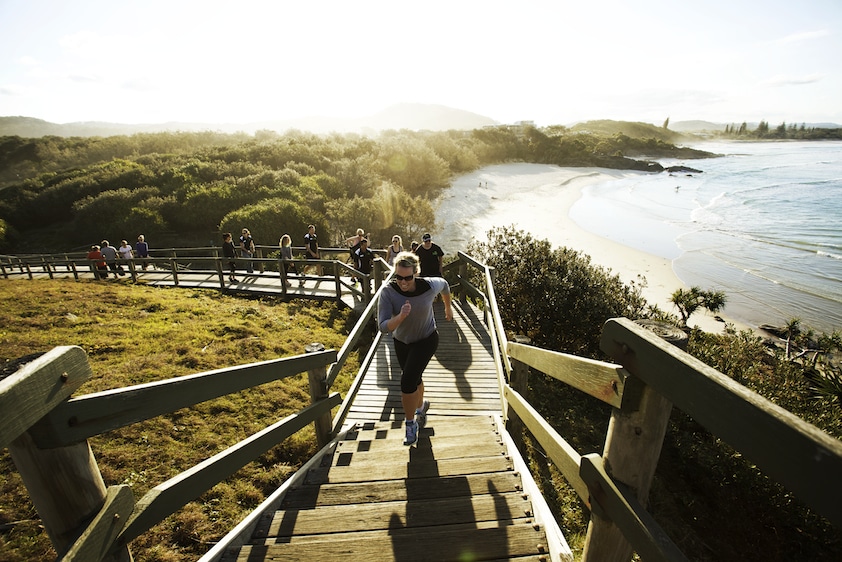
60, 194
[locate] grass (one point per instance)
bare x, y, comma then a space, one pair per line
135, 334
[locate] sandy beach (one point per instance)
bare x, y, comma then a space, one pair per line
540, 204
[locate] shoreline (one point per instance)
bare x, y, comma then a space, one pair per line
541, 207
630, 263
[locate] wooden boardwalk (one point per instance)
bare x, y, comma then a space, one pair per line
266, 283
460, 380
460, 494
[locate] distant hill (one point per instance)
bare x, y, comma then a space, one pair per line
402, 116
696, 126
629, 128
709, 126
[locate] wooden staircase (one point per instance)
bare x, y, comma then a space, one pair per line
454, 496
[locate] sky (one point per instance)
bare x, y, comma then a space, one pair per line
551, 62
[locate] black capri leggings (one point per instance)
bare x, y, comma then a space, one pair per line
413, 359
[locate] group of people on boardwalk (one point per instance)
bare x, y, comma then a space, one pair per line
105, 257
405, 309
359, 247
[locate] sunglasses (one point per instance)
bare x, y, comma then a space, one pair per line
402, 278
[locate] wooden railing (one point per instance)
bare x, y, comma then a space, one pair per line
184, 265
47, 431
44, 427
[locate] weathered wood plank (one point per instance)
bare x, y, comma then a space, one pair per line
441, 444
38, 387
599, 379
408, 469
559, 451
401, 490
92, 414
611, 502
389, 413
424, 544
797, 454
442, 405
366, 429
99, 536
388, 515
365, 461
166, 498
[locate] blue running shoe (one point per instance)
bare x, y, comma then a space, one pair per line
421, 414
411, 433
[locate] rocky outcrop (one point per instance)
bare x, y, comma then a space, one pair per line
682, 170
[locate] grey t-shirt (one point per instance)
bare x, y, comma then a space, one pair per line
420, 322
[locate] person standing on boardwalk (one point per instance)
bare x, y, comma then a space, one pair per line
126, 252
430, 255
363, 259
311, 245
141, 249
353, 244
247, 249
110, 255
406, 311
229, 252
354, 241
286, 257
394, 249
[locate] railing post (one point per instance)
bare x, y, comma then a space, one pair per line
632, 448
337, 281
519, 381
174, 269
318, 391
218, 264
378, 274
463, 275
48, 268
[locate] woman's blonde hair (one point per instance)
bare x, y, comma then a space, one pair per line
285, 240
408, 259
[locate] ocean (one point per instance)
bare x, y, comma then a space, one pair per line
762, 222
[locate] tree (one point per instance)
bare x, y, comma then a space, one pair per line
792, 330
667, 123
689, 301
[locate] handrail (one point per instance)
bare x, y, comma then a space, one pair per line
752, 424
93, 414
33, 390
164, 499
184, 269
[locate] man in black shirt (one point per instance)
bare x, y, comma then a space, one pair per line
430, 255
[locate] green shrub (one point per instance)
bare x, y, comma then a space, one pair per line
556, 297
